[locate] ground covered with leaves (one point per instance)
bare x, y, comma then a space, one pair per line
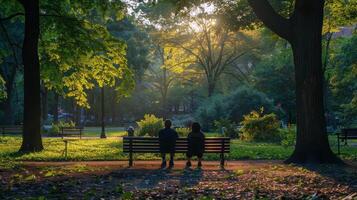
239, 180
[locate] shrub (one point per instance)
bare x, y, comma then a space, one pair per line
183, 132
233, 106
260, 127
56, 128
230, 128
288, 135
150, 125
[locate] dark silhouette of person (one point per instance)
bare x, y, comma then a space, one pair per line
167, 141
196, 144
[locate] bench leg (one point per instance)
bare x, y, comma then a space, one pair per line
222, 160
65, 149
130, 159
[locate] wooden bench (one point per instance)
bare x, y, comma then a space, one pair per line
11, 129
131, 145
346, 134
71, 131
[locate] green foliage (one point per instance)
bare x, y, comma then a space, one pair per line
150, 125
56, 128
78, 52
227, 126
288, 135
183, 132
342, 77
232, 106
279, 85
260, 127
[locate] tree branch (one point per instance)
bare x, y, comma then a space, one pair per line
266, 13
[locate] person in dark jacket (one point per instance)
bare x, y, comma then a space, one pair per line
167, 141
196, 144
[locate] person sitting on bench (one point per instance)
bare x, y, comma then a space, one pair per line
167, 141
196, 144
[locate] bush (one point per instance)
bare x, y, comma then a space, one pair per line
288, 135
260, 127
183, 132
56, 128
150, 125
230, 128
233, 106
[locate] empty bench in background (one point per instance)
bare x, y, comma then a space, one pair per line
131, 145
346, 134
71, 132
11, 129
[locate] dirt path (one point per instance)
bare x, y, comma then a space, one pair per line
207, 165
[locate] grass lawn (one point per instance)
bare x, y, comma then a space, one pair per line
109, 131
111, 149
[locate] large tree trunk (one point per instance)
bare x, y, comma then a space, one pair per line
31, 137
312, 141
303, 31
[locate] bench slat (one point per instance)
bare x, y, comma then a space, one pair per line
177, 142
178, 139
180, 151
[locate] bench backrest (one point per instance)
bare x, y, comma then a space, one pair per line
71, 130
11, 129
151, 145
347, 132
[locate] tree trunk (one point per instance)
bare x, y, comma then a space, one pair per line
303, 31
312, 145
102, 135
44, 100
31, 137
211, 88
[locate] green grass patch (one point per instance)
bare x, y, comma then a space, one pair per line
109, 131
111, 149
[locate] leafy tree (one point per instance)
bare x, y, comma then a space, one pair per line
214, 49
233, 106
342, 75
274, 75
303, 31
61, 15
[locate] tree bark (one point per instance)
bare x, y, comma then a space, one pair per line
44, 100
211, 88
102, 134
31, 137
303, 31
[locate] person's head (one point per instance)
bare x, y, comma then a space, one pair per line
196, 127
168, 123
